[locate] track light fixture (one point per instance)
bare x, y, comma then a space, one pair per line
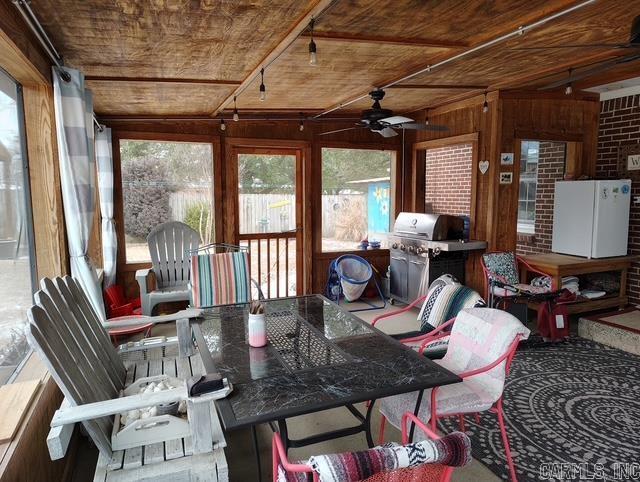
485, 105
223, 126
313, 55
263, 89
568, 90
236, 117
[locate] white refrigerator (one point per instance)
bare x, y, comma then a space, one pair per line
591, 218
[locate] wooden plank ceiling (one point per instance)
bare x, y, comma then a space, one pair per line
188, 57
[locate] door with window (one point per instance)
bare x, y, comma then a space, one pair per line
269, 217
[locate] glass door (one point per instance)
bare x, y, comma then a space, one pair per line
270, 218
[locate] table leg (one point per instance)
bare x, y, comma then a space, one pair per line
284, 435
415, 412
367, 424
256, 449
623, 285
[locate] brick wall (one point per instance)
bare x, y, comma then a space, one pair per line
448, 179
620, 125
551, 161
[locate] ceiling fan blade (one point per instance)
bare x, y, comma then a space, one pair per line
395, 119
420, 126
583, 46
387, 132
340, 130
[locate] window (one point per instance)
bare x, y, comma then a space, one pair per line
529, 155
17, 262
165, 181
357, 198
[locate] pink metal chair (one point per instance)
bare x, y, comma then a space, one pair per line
441, 304
482, 344
455, 451
502, 272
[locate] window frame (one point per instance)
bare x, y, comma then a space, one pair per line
395, 196
124, 135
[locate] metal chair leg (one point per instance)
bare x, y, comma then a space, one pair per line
383, 423
461, 423
505, 441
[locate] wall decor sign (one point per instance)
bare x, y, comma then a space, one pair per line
506, 177
483, 166
506, 159
629, 162
633, 162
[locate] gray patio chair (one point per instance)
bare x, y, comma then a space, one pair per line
169, 245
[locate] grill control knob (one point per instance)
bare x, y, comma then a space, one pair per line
411, 249
402, 247
421, 250
394, 246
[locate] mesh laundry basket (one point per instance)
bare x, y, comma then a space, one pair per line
354, 273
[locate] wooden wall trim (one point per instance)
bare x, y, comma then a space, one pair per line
447, 141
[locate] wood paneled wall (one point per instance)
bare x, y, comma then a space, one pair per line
274, 134
511, 116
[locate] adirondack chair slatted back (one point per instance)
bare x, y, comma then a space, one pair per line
169, 245
75, 354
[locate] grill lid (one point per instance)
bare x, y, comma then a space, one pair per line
433, 227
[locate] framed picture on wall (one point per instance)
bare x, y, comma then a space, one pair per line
629, 162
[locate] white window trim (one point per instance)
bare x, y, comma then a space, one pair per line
526, 228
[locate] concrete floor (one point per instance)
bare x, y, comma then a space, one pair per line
240, 453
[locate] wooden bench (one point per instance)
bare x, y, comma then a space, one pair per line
65, 331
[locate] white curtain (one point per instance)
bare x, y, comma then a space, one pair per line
76, 150
104, 158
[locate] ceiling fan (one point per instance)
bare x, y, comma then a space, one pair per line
634, 41
384, 122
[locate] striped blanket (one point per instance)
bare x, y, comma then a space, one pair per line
384, 464
220, 279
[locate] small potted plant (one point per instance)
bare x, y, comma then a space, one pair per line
257, 325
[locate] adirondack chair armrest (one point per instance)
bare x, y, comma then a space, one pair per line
59, 437
142, 277
124, 321
90, 411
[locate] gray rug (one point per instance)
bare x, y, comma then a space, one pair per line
576, 402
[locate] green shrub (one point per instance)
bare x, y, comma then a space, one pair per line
198, 217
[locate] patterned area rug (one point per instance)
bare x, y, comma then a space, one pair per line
576, 402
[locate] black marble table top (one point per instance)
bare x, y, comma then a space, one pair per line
319, 356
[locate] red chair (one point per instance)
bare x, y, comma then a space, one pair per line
119, 308
118, 304
456, 452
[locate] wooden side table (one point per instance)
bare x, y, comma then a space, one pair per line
559, 265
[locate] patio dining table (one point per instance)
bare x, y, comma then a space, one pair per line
319, 356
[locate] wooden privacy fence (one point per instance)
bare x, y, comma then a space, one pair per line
262, 213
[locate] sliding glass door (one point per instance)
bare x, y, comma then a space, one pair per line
17, 261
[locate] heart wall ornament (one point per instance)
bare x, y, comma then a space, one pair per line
483, 166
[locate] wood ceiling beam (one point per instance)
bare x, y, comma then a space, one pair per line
375, 39
439, 87
294, 32
161, 80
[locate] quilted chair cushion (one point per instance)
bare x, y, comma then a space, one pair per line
502, 267
444, 302
478, 338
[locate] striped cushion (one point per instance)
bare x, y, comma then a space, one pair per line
445, 302
220, 279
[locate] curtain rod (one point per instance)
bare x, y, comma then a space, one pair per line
36, 27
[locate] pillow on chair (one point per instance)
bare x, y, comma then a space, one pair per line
502, 265
444, 302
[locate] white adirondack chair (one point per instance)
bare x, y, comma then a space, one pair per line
99, 385
169, 245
